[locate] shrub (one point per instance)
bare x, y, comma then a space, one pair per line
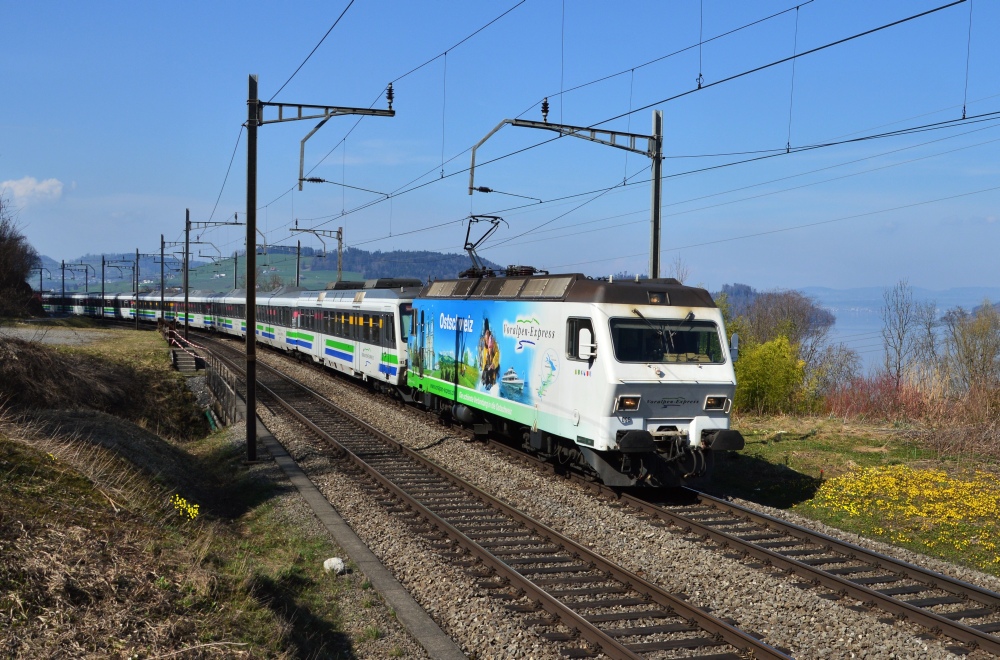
877, 397
768, 377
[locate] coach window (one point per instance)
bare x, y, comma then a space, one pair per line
406, 320
390, 331
376, 329
579, 332
366, 328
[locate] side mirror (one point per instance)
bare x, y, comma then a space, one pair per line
586, 348
734, 347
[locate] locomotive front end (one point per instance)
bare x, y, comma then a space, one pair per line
667, 390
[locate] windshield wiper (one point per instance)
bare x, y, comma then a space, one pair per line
658, 331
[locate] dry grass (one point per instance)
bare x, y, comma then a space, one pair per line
94, 559
108, 376
953, 426
82, 535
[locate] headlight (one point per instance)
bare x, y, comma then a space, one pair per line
628, 402
715, 403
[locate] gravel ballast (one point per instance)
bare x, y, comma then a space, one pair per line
787, 616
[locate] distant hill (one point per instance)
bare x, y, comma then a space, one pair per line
317, 269
421, 264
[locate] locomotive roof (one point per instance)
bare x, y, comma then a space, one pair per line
571, 287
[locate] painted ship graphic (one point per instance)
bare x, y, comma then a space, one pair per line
511, 385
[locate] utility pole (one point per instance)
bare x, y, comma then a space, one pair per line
40, 268
298, 260
86, 274
63, 283
654, 150
137, 288
187, 258
255, 118
254, 114
102, 285
162, 279
187, 254
654, 219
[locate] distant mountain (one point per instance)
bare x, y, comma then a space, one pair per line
869, 299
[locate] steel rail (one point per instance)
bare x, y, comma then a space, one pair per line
935, 623
745, 644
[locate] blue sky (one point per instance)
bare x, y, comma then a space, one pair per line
119, 116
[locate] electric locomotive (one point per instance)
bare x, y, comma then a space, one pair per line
631, 381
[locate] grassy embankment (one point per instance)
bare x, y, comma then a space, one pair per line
127, 530
883, 481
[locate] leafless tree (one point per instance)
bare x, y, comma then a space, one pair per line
899, 328
679, 270
835, 365
926, 368
973, 345
17, 258
806, 325
790, 314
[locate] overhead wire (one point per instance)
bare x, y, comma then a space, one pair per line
671, 54
795, 227
312, 51
791, 92
674, 97
705, 169
790, 58
453, 47
581, 86
724, 80
935, 126
239, 136
968, 55
396, 80
576, 230
783, 178
444, 53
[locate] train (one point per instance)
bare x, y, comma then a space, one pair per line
630, 381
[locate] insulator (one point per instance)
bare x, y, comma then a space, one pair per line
545, 110
389, 95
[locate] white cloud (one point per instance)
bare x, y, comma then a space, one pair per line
29, 189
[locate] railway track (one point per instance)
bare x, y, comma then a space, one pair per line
944, 606
584, 603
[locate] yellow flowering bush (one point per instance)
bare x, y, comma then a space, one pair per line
185, 508
922, 508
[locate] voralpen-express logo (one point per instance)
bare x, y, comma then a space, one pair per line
527, 331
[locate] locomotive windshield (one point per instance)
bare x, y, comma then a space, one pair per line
666, 340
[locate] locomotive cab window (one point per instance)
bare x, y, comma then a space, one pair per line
665, 341
580, 341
